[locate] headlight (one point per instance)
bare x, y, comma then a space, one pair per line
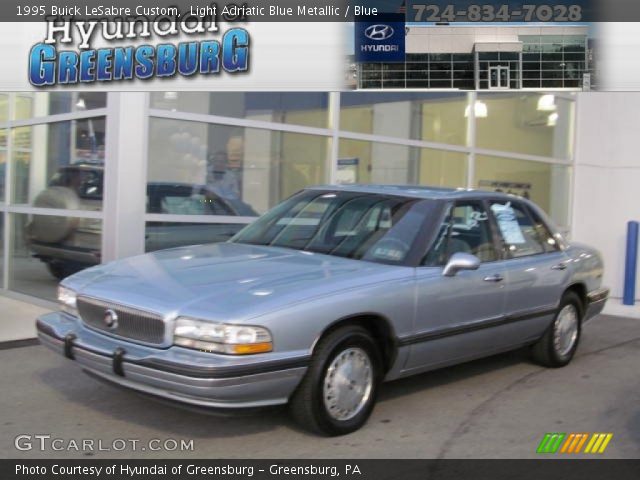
220, 338
67, 299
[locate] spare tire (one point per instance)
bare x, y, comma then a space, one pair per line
49, 228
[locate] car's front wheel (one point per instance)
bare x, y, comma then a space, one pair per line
558, 345
339, 390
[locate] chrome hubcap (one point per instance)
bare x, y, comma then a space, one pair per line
566, 330
348, 384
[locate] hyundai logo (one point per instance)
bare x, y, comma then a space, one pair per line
110, 319
378, 32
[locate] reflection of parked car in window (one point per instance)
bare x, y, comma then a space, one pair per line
328, 294
67, 244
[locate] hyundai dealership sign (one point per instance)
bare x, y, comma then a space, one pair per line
380, 38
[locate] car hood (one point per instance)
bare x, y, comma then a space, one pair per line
224, 281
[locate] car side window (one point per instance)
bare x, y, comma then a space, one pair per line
544, 234
465, 229
517, 229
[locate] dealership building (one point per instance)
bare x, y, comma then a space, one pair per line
223, 158
487, 57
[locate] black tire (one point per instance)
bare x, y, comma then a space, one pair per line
307, 404
60, 270
546, 352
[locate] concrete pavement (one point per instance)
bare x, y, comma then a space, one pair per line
498, 407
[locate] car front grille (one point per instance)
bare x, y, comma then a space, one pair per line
135, 324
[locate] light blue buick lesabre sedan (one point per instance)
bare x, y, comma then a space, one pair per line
327, 295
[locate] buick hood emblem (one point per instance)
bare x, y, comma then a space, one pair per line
378, 32
110, 319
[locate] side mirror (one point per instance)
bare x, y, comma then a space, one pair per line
460, 261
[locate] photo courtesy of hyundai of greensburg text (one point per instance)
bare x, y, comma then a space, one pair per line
388, 239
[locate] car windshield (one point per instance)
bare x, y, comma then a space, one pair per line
371, 227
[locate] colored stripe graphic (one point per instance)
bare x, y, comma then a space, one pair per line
550, 443
598, 443
573, 443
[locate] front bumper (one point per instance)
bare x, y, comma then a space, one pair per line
186, 376
595, 302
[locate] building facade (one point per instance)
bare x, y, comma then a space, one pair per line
484, 58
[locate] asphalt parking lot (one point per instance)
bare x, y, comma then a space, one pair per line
498, 407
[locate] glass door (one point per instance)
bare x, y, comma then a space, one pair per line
498, 77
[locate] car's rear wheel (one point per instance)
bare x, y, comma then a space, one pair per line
339, 390
559, 343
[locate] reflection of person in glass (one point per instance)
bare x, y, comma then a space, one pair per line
220, 178
224, 169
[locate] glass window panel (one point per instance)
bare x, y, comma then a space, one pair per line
41, 104
509, 55
417, 57
434, 66
161, 235
545, 184
59, 165
23, 106
245, 169
546, 83
517, 229
440, 57
375, 162
2, 227
466, 67
4, 107
529, 39
3, 170
374, 83
530, 66
531, 83
424, 83
522, 123
574, 56
387, 83
489, 56
420, 75
440, 75
297, 108
437, 117
574, 40
59, 255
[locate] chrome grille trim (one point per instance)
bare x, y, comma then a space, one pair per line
135, 324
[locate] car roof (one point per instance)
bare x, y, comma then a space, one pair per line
418, 191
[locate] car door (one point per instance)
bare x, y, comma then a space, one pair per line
453, 314
536, 269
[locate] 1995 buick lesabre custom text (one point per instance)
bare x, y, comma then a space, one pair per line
328, 294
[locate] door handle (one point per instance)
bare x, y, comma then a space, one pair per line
494, 278
559, 266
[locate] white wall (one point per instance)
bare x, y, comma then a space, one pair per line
607, 177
